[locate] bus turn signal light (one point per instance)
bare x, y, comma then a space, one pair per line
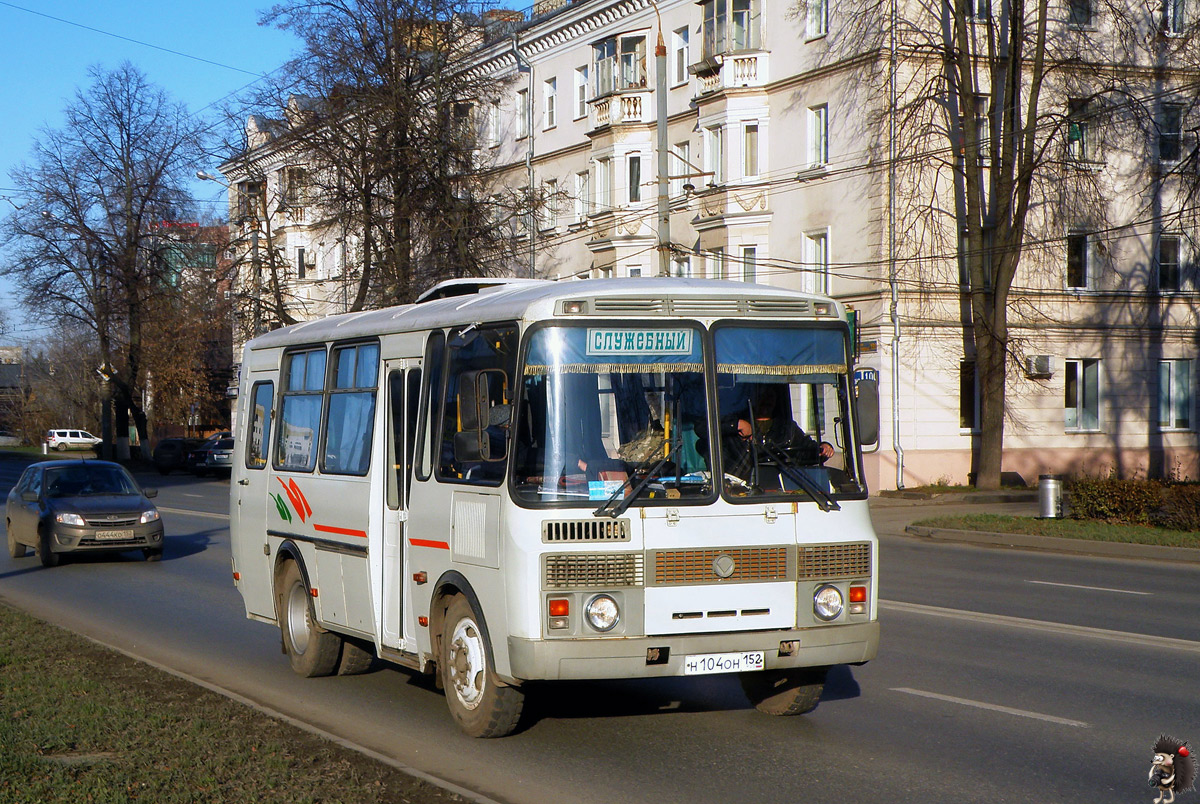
560, 607
858, 599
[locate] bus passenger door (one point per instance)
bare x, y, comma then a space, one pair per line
403, 385
251, 496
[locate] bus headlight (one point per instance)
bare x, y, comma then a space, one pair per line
602, 613
827, 602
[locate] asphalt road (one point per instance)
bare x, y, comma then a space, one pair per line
1003, 676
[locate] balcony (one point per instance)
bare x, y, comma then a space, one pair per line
747, 68
622, 107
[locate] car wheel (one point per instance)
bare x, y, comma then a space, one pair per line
795, 691
312, 650
60, 447
15, 548
480, 704
152, 553
48, 557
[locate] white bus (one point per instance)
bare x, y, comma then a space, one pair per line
526, 480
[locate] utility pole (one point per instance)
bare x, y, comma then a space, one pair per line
664, 200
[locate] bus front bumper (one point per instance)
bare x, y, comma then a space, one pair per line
642, 657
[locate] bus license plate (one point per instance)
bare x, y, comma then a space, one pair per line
113, 535
704, 663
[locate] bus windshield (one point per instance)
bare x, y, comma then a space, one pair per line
783, 398
606, 410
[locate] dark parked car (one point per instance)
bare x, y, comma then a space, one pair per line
81, 506
171, 453
198, 457
218, 458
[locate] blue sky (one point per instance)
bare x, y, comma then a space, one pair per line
50, 44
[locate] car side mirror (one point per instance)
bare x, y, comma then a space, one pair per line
150, 492
29, 496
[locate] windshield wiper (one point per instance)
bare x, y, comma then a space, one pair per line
818, 494
621, 506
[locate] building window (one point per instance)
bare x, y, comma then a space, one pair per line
683, 267
816, 262
603, 184
300, 263
730, 26
1170, 132
249, 199
818, 18
983, 124
750, 150
634, 271
1078, 253
1082, 401
818, 136
714, 155
583, 197
715, 268
979, 9
968, 397
493, 124
1175, 394
549, 210
681, 51
635, 178
523, 110
681, 167
1079, 13
1079, 139
1168, 262
749, 264
549, 103
1173, 19
581, 86
295, 186
620, 63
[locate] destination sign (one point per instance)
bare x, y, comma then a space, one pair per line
604, 341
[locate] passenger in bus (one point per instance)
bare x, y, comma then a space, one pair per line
768, 419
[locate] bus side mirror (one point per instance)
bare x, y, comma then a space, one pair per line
866, 394
471, 446
472, 401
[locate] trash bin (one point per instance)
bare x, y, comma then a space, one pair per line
1050, 496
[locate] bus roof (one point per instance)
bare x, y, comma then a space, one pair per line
539, 300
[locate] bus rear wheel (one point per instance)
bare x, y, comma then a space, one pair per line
794, 691
311, 650
480, 705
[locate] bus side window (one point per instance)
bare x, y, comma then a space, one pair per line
478, 355
351, 414
413, 398
259, 436
435, 349
302, 395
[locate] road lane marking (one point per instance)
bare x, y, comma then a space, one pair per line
190, 512
1091, 588
1007, 710
1141, 640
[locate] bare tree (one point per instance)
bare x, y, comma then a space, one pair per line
83, 249
383, 107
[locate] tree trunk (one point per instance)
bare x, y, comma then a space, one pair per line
990, 363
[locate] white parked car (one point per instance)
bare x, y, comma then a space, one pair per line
70, 439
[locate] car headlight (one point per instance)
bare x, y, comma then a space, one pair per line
602, 613
827, 602
75, 520
149, 516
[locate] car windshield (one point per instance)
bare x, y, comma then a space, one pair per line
783, 408
87, 480
612, 411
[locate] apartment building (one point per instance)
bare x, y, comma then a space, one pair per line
783, 132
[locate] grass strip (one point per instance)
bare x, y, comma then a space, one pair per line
1065, 529
81, 723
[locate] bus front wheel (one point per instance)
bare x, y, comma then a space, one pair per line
795, 691
311, 650
481, 706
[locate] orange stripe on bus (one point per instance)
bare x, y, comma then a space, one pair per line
428, 543
362, 534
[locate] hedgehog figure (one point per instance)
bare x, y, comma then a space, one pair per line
1173, 769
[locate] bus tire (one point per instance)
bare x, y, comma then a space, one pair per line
795, 691
480, 705
311, 650
355, 659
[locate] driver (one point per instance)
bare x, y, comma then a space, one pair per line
774, 428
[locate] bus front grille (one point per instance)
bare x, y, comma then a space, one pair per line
585, 530
828, 561
735, 563
593, 569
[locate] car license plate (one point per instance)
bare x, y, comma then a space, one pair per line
113, 535
704, 663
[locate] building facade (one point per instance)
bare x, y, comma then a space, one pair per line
794, 160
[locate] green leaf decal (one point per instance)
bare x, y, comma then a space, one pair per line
284, 513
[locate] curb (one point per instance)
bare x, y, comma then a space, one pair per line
968, 497
1057, 544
